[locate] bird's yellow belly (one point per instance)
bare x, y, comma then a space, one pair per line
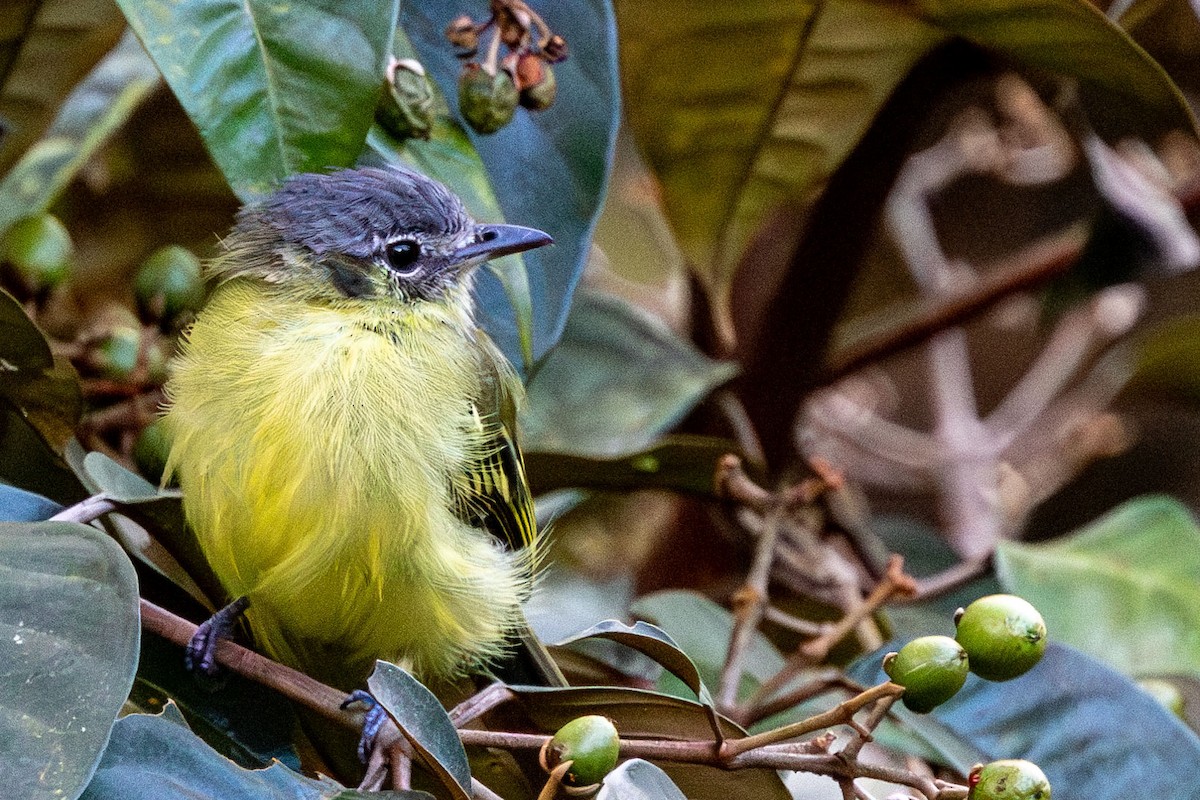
316, 449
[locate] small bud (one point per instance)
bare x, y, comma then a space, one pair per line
463, 33
406, 108
486, 101
555, 49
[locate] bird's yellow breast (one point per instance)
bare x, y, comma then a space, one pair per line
316, 446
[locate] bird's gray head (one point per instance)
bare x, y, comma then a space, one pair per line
366, 233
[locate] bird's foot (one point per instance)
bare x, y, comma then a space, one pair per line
374, 720
201, 652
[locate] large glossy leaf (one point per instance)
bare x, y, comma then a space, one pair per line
93, 111
275, 88
1125, 589
1093, 731
617, 380
159, 758
18, 505
745, 109
550, 169
68, 650
45, 48
638, 780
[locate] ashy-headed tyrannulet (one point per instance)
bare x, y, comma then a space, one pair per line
343, 431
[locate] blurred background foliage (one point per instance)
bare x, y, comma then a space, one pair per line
731, 191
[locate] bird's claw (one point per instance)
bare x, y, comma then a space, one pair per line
201, 651
375, 718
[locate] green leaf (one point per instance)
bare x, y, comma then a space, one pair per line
94, 110
159, 758
746, 109
69, 629
681, 463
45, 49
425, 724
616, 380
638, 780
1169, 357
1125, 589
275, 88
549, 169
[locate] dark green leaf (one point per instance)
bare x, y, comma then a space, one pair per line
94, 110
69, 630
45, 49
1125, 589
638, 780
616, 380
549, 169
681, 463
275, 88
24, 352
159, 758
425, 724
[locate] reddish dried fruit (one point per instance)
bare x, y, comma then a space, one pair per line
487, 102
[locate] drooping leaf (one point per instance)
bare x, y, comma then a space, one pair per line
424, 724
1096, 735
275, 88
549, 169
1125, 589
69, 630
617, 380
46, 47
745, 110
640, 714
93, 111
638, 780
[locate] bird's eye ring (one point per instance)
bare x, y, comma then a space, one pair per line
402, 255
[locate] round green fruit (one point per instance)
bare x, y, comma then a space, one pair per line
1011, 779
169, 283
931, 669
1004, 636
590, 743
487, 102
40, 248
116, 355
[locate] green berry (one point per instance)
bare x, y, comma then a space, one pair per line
40, 248
115, 356
1011, 779
169, 284
590, 743
931, 669
151, 449
405, 109
487, 102
1004, 636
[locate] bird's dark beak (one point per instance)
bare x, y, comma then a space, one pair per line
493, 241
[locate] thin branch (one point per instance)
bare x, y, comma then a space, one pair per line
87, 510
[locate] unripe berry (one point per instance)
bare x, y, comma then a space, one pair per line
40, 249
591, 743
168, 284
1010, 779
487, 102
1003, 634
931, 669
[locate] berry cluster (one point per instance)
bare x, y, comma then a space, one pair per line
490, 90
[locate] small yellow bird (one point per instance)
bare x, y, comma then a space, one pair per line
343, 432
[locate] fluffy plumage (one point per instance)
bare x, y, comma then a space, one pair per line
344, 446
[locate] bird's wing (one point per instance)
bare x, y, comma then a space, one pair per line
493, 492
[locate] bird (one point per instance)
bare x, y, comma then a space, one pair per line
344, 433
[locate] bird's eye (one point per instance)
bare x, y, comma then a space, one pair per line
402, 255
